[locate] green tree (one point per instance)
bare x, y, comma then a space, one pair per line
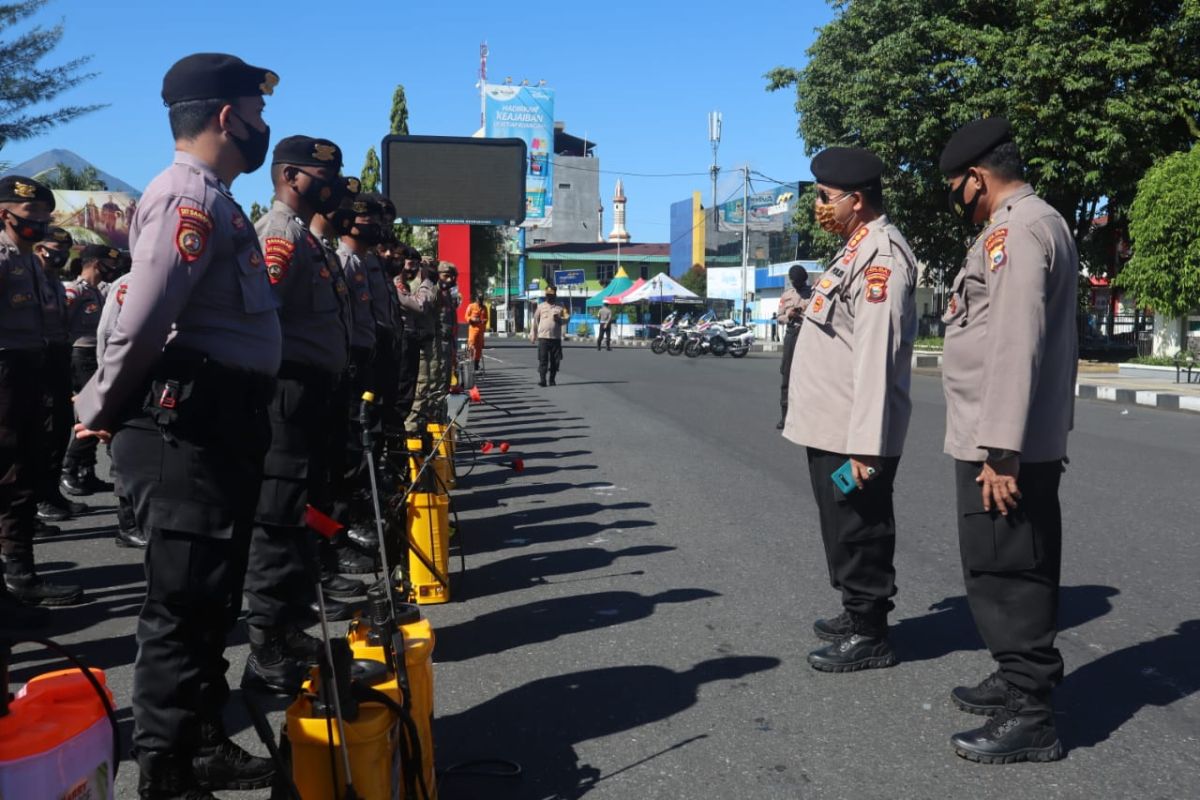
487, 256
257, 211
61, 176
696, 280
1096, 93
370, 171
25, 85
399, 116
399, 126
1164, 272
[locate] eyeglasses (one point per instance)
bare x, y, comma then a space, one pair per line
825, 198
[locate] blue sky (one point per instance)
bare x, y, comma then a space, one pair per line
638, 78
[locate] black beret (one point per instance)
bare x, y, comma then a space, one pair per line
99, 251
305, 151
19, 189
215, 76
846, 167
57, 235
361, 204
972, 142
353, 185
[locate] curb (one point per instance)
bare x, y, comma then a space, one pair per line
1138, 397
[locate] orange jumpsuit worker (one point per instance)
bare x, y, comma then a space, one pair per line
477, 319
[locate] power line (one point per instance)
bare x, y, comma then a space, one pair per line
559, 165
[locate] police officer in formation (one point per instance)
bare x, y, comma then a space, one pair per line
848, 394
98, 264
184, 388
54, 252
31, 305
283, 568
792, 305
1009, 368
546, 331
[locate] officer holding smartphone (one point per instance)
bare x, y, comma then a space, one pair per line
848, 402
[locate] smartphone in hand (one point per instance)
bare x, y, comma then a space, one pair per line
843, 478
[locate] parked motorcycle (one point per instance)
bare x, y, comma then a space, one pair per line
658, 345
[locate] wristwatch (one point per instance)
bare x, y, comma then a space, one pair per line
996, 454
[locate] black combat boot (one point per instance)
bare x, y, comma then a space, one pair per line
335, 610
365, 537
51, 513
541, 379
44, 530
552, 381
833, 629
128, 534
350, 559
333, 584
866, 647
1023, 730
86, 478
165, 776
15, 617
71, 483
270, 664
25, 585
986, 698
221, 764
303, 647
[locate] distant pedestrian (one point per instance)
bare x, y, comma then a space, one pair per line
848, 402
1009, 377
792, 305
477, 320
604, 318
549, 318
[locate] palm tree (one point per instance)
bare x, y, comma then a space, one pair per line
61, 176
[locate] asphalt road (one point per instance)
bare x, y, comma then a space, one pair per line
637, 603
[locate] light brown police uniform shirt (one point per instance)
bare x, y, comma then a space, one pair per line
1011, 351
200, 283
849, 387
548, 320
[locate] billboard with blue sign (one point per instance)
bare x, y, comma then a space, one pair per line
568, 277
527, 113
771, 210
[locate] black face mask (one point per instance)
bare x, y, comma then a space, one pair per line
958, 202
369, 233
109, 274
254, 147
342, 221
30, 230
322, 195
56, 259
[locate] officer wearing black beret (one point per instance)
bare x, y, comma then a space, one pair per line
848, 402
1009, 375
30, 304
282, 567
188, 420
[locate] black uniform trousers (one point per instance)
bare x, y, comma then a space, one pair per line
192, 474
386, 369
549, 356
20, 435
352, 484
859, 534
1011, 569
785, 367
58, 419
408, 359
81, 453
282, 569
604, 333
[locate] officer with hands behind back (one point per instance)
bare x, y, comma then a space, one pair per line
848, 402
184, 386
1008, 371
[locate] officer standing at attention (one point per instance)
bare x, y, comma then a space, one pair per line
446, 338
549, 319
97, 264
54, 251
28, 300
413, 305
425, 327
792, 304
604, 319
848, 401
282, 569
185, 382
1009, 369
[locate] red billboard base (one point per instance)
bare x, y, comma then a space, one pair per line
454, 245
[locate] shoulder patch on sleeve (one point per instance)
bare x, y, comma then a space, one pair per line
192, 232
278, 252
877, 283
994, 247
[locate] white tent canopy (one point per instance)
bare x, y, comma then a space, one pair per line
662, 288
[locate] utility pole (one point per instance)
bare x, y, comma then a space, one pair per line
745, 239
714, 138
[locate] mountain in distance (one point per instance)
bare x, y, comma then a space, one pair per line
52, 158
